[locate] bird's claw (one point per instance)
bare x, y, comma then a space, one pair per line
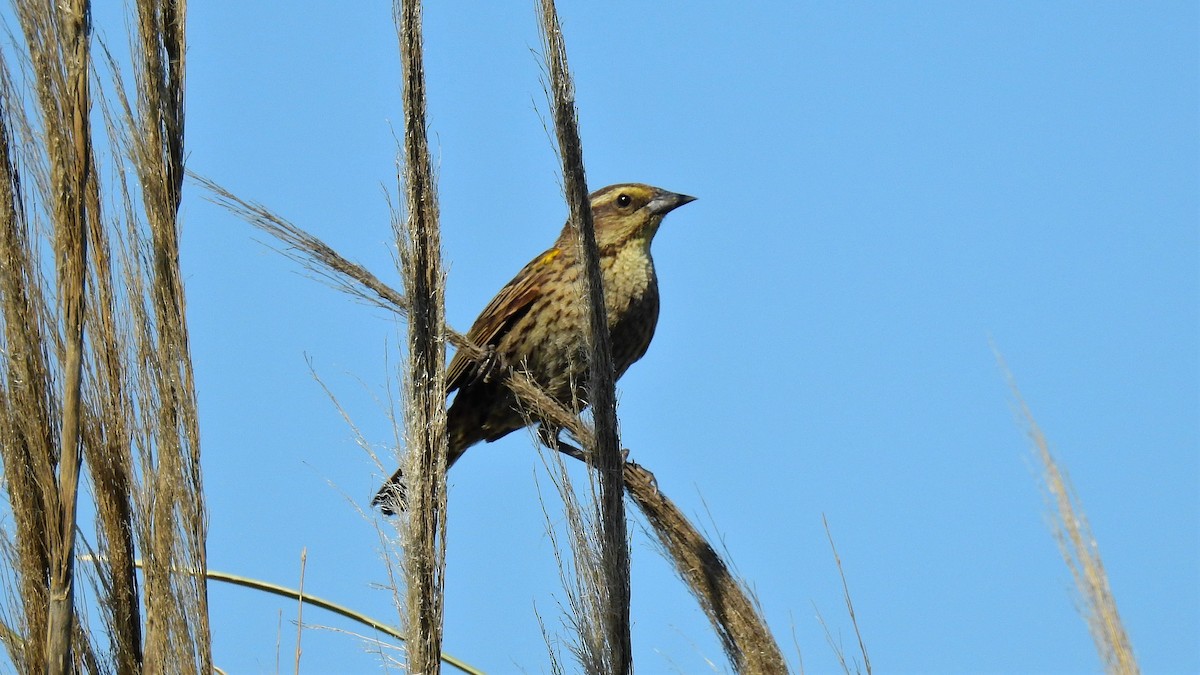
488, 367
652, 479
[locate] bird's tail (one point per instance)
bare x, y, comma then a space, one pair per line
393, 496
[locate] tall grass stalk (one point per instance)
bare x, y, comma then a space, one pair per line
419, 242
121, 402
59, 40
610, 552
173, 523
581, 576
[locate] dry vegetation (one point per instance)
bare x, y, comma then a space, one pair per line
96, 380
728, 603
602, 610
96, 370
420, 247
1079, 550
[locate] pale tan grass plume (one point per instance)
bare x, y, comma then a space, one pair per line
1078, 547
126, 391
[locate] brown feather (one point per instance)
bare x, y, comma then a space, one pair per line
494, 322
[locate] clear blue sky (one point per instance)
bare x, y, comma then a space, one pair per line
883, 189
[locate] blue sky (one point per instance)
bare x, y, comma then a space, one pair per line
884, 190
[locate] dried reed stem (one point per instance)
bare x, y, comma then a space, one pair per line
107, 450
129, 385
27, 399
862, 646
173, 520
425, 415
614, 591
730, 606
59, 41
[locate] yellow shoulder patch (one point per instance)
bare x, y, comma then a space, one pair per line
549, 256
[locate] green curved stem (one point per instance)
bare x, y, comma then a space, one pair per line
317, 601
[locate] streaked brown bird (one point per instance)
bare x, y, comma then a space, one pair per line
536, 322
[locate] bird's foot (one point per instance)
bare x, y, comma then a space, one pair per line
488, 367
550, 436
654, 484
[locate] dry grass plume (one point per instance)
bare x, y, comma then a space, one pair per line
1079, 549
608, 550
419, 242
95, 370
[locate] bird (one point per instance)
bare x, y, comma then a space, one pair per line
536, 323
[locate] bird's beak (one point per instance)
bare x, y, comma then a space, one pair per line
665, 202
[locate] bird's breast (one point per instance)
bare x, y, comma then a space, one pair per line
631, 296
628, 275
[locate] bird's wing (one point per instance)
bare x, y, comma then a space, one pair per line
509, 305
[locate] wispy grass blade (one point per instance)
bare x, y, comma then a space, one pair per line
28, 397
862, 646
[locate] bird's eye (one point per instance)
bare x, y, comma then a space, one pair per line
624, 200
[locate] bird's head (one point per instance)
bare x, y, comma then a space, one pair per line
631, 211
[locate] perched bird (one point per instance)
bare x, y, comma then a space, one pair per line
536, 322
